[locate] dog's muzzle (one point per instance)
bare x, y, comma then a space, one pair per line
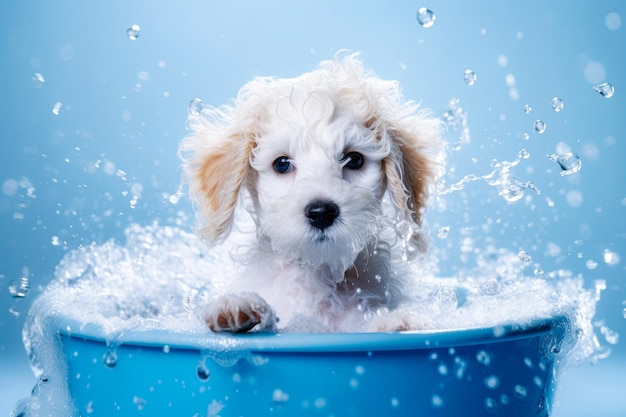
322, 213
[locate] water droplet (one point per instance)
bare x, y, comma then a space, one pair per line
613, 21
591, 264
38, 80
557, 104
442, 369
540, 126
139, 402
538, 271
202, 371
19, 288
611, 258
527, 109
523, 154
524, 256
394, 402
525, 136
436, 401
57, 108
469, 77
166, 348
492, 382
280, 396
519, 391
425, 17
443, 232
490, 404
483, 358
378, 278
606, 89
109, 359
195, 107
133, 32
569, 162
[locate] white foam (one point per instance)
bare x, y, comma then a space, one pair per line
161, 276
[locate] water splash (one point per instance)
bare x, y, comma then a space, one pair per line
133, 32
605, 89
569, 162
455, 118
425, 17
469, 77
509, 187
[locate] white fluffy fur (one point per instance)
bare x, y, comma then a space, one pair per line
289, 268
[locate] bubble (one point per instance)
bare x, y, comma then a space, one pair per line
540, 126
195, 107
490, 404
611, 258
591, 264
526, 136
139, 402
280, 396
523, 154
483, 358
613, 21
436, 401
425, 17
57, 108
519, 391
503, 61
492, 382
470, 77
524, 256
133, 32
557, 104
442, 232
10, 187
19, 288
574, 198
37, 80
605, 89
594, 72
202, 371
394, 402
569, 162
527, 108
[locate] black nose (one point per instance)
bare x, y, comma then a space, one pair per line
321, 214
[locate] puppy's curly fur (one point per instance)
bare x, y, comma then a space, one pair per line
312, 161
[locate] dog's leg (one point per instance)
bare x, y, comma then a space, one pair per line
238, 313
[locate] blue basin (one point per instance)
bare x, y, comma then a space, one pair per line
504, 370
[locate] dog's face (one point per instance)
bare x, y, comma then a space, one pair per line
317, 181
316, 153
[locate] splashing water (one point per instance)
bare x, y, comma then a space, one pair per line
569, 162
605, 89
425, 17
455, 118
133, 32
509, 187
469, 77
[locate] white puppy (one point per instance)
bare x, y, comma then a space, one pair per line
310, 160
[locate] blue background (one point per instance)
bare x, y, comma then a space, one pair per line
124, 105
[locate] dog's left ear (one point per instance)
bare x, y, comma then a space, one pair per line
412, 166
215, 165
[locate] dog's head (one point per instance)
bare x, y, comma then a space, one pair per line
316, 154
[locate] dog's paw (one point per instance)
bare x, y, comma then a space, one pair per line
238, 313
400, 321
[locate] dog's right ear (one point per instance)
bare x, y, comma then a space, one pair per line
215, 159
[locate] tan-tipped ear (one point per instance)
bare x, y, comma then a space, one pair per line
215, 166
414, 163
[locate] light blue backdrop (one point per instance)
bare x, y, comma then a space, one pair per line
108, 158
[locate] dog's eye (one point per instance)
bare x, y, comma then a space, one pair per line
283, 165
352, 160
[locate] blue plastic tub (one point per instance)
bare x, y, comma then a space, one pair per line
506, 371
